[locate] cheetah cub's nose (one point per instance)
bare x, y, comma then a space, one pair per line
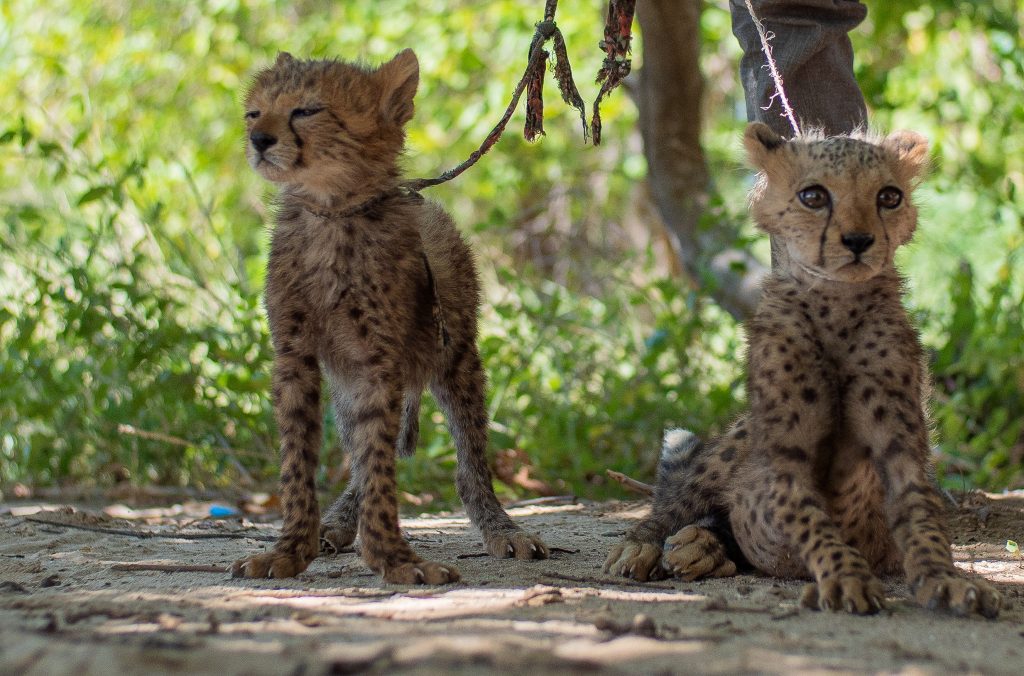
858, 242
261, 141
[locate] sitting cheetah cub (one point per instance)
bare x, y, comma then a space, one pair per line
827, 476
375, 286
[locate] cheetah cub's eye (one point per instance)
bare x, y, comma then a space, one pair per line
814, 197
889, 198
252, 114
305, 112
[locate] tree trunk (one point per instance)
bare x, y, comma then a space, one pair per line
669, 96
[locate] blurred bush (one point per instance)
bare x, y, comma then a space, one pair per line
132, 339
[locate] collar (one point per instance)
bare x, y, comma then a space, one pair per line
360, 208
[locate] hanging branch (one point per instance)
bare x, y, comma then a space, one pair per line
618, 33
533, 82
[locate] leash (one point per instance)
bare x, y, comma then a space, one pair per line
780, 93
616, 44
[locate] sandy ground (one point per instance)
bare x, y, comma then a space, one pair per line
64, 608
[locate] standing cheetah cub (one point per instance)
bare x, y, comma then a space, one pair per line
375, 287
827, 476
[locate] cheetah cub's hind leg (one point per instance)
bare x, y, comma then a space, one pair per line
459, 390
694, 553
340, 522
685, 492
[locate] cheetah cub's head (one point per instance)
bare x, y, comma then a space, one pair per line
329, 127
841, 205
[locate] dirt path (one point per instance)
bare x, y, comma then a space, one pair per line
64, 609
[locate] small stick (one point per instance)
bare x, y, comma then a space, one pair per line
475, 555
546, 500
600, 581
131, 430
630, 483
563, 550
171, 567
143, 534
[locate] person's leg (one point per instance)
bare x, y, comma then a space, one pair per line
813, 53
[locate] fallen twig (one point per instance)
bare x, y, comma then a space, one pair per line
143, 534
630, 483
546, 500
606, 581
474, 555
171, 567
131, 430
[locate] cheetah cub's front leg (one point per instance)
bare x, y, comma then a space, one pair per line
296, 390
914, 508
782, 519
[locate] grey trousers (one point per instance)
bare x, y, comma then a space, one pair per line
814, 56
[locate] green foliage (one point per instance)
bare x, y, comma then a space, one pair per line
134, 236
955, 71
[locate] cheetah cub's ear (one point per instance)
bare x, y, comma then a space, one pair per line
763, 146
909, 151
284, 58
399, 79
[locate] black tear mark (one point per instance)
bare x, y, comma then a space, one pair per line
885, 230
824, 236
299, 161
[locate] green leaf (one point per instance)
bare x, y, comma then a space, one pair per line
93, 194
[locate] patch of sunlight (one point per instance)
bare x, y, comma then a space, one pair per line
29, 510
625, 648
641, 512
435, 523
994, 570
533, 510
646, 597
455, 603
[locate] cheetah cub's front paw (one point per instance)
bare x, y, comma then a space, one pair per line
516, 544
421, 572
858, 595
694, 553
272, 564
636, 560
961, 595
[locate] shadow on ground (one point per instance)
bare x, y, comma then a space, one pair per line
64, 607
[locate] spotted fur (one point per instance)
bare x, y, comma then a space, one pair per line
828, 475
374, 288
